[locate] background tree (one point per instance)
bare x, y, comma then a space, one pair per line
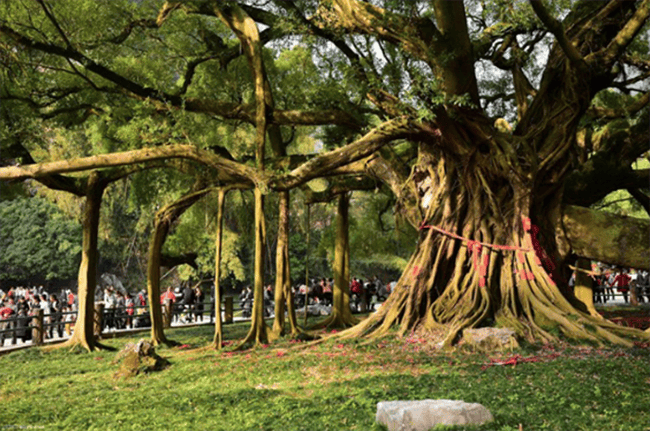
39, 242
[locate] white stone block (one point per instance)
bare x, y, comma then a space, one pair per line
426, 414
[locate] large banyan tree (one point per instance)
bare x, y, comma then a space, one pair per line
495, 124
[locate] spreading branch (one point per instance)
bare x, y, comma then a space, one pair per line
609, 169
232, 171
619, 44
362, 147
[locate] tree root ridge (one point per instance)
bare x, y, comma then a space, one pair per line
519, 294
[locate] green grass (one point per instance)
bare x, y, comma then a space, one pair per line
333, 386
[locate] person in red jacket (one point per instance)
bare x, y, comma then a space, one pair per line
70, 298
168, 296
6, 312
622, 281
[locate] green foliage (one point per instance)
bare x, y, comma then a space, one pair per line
195, 232
378, 246
621, 202
38, 241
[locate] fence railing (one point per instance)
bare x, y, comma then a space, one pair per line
37, 325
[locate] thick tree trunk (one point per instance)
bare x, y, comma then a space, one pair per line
259, 331
341, 316
480, 262
218, 330
160, 230
83, 331
283, 294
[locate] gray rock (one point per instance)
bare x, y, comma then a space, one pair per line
491, 338
426, 414
316, 310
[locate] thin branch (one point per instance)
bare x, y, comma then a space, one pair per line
54, 22
610, 203
636, 62
191, 69
557, 29
638, 78
641, 198
125, 33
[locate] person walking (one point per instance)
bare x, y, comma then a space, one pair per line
47, 318
55, 311
198, 304
6, 312
129, 304
622, 281
188, 303
110, 302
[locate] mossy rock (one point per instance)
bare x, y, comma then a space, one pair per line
138, 358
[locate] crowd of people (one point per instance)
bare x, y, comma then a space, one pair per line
124, 310
630, 283
19, 304
187, 302
363, 295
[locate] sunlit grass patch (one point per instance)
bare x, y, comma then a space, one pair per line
328, 386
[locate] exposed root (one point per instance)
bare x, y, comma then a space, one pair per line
73, 344
531, 305
336, 320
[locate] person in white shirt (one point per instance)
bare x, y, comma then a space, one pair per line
45, 306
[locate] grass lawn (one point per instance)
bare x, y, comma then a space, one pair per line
333, 386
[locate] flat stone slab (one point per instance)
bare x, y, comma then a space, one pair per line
426, 414
491, 339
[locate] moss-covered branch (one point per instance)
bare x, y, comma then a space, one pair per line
607, 237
